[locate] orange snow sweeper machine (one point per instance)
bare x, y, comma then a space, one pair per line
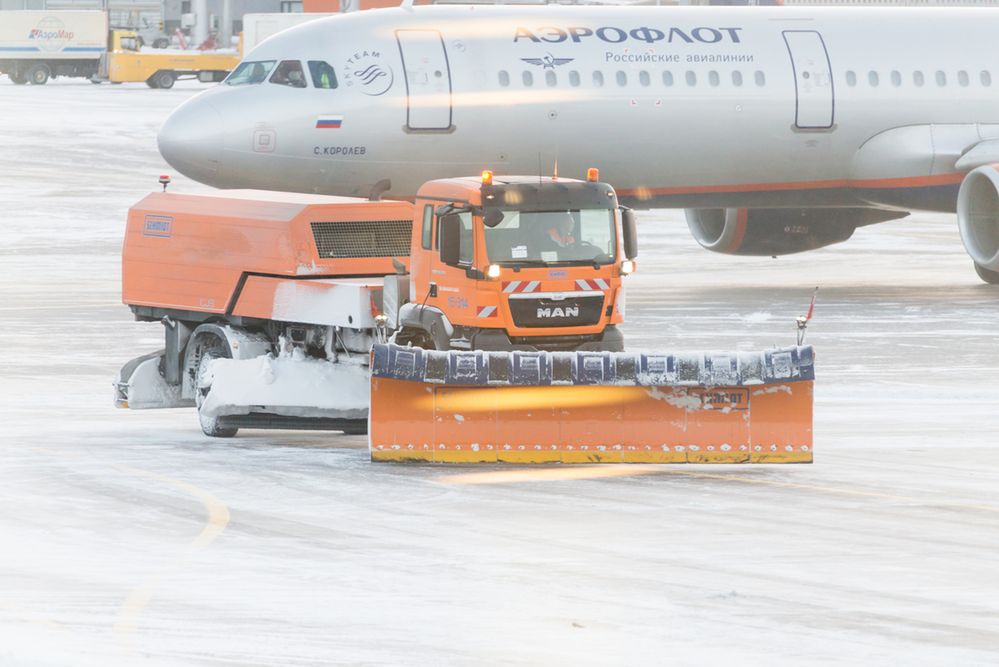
477, 324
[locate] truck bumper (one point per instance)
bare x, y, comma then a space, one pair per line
497, 340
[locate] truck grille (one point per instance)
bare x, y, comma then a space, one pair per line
577, 311
362, 238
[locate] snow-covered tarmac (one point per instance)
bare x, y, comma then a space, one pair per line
127, 538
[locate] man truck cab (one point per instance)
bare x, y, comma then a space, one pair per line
489, 273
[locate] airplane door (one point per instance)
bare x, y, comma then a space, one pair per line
428, 79
813, 85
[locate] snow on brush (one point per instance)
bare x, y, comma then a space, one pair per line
289, 384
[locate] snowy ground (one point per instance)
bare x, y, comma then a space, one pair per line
128, 538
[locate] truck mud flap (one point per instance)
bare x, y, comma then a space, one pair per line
591, 407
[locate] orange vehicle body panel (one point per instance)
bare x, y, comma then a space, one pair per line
465, 301
190, 252
589, 424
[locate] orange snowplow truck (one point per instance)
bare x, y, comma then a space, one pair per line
277, 307
497, 264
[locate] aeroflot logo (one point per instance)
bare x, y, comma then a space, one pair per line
558, 311
701, 35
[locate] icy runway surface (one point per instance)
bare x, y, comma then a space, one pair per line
127, 538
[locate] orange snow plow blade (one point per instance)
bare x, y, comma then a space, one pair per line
591, 407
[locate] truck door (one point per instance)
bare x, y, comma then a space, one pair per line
428, 79
455, 291
813, 85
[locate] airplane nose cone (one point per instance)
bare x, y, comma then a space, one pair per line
191, 140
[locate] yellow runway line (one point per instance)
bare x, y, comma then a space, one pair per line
138, 599
549, 474
559, 474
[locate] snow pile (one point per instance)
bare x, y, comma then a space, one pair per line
287, 385
147, 388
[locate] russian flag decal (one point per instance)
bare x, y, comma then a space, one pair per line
329, 122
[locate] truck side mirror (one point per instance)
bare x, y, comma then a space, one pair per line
629, 233
450, 239
492, 217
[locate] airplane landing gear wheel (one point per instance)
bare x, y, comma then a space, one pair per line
989, 276
211, 426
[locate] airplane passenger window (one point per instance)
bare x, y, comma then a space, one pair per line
528, 78
986, 78
550, 79
873, 79
289, 73
918, 78
896, 78
851, 78
941, 78
691, 78
761, 78
598, 79
574, 78
323, 75
250, 72
622, 78
736, 78
643, 78
713, 78
504, 78
667, 78
962, 78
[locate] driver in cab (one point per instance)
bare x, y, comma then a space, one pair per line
561, 232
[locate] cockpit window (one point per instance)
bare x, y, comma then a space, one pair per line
323, 75
289, 73
250, 72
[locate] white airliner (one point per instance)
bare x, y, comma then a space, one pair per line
778, 129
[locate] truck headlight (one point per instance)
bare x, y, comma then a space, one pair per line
627, 266
493, 272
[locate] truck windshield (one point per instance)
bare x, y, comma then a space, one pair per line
553, 237
250, 72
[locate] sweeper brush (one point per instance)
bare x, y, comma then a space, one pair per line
591, 407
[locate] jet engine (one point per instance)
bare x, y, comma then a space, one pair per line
779, 231
978, 220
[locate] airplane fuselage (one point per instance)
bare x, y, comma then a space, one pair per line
678, 106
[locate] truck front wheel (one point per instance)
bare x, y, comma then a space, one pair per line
415, 337
210, 426
162, 79
39, 75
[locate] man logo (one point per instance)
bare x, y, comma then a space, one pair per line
558, 311
367, 71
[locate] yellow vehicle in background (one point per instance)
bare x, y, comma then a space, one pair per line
126, 61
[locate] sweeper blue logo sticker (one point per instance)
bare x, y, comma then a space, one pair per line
158, 225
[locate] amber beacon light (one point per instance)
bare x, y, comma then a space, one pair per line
487, 177
592, 174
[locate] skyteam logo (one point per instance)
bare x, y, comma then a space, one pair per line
369, 72
548, 62
50, 34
